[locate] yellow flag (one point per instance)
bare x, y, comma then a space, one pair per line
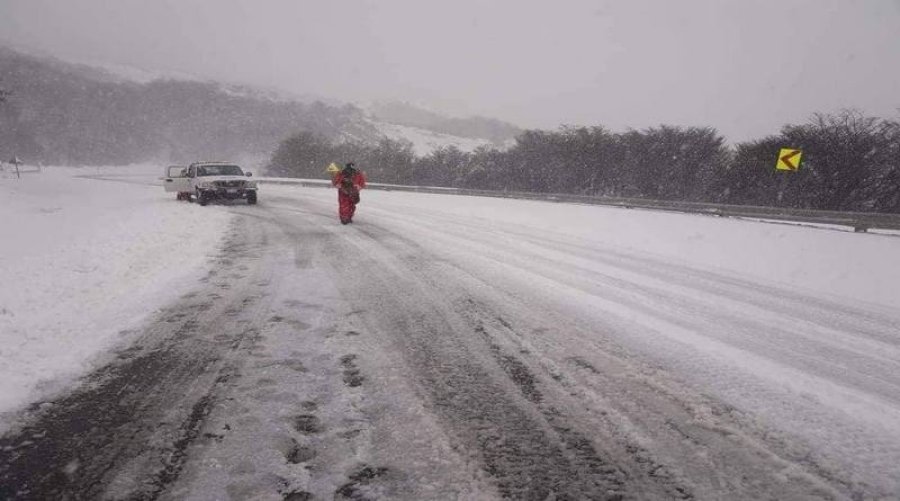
333, 168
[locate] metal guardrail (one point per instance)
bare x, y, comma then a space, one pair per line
18, 170
859, 221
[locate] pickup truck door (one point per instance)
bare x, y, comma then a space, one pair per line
176, 180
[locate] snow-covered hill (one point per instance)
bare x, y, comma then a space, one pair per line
178, 117
425, 141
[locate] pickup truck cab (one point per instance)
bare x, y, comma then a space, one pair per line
206, 181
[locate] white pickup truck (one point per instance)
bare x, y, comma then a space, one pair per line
205, 181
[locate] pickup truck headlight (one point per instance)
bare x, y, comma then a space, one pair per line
251, 185
205, 185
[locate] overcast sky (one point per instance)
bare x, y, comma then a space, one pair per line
746, 67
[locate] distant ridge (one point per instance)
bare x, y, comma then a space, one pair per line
401, 113
69, 113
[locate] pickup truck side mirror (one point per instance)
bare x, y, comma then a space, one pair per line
249, 174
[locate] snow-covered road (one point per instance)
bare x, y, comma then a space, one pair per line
454, 347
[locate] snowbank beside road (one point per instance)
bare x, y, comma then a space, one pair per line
81, 261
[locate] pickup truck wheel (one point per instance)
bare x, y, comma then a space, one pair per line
201, 198
251, 198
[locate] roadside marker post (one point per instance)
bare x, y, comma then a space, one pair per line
15, 161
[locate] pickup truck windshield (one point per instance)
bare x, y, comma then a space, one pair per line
219, 170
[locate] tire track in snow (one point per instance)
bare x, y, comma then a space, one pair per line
531, 452
125, 431
651, 289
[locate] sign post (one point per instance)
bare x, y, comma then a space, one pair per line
15, 161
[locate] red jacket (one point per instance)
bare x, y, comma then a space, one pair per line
352, 185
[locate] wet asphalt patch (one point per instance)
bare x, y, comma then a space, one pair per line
300, 454
352, 376
307, 424
298, 496
361, 481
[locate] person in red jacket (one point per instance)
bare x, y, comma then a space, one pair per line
348, 182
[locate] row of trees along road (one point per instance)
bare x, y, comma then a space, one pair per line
850, 162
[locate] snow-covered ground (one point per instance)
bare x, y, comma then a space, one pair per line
727, 349
840, 264
798, 328
81, 262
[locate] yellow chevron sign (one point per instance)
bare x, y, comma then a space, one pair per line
788, 159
